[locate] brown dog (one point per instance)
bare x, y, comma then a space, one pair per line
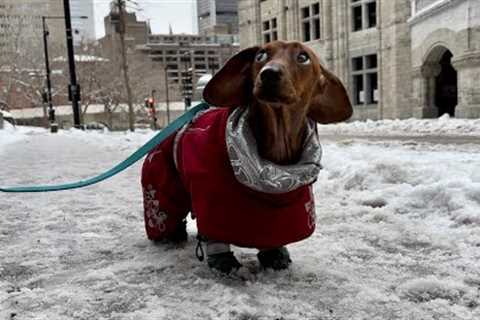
264, 201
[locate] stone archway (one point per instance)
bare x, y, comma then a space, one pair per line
440, 79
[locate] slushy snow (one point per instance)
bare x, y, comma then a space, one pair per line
398, 237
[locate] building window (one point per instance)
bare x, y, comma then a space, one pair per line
311, 22
269, 30
365, 80
364, 14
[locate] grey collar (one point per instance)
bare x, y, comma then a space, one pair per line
260, 174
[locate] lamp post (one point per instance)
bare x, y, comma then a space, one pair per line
154, 111
73, 88
48, 95
167, 100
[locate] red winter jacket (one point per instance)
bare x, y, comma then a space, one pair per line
203, 182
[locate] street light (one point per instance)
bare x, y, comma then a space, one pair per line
154, 112
167, 100
48, 96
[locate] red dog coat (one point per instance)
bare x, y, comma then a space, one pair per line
202, 181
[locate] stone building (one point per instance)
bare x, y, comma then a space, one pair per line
382, 50
445, 57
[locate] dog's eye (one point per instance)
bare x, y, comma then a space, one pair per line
261, 56
303, 58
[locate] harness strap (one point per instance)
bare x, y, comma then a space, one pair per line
137, 155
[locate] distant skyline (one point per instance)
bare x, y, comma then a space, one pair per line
180, 14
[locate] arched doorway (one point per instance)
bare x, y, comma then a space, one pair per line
446, 98
441, 94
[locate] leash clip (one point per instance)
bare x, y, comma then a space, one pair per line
199, 249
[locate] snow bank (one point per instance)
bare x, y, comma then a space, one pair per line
111, 139
11, 134
441, 126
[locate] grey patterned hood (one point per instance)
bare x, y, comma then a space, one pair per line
260, 174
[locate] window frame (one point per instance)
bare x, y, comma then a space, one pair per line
270, 30
365, 22
313, 20
366, 72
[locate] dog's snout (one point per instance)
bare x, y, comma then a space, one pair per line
271, 73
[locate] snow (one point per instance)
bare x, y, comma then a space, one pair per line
27, 113
398, 236
409, 127
11, 134
82, 58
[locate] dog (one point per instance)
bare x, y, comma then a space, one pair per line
245, 168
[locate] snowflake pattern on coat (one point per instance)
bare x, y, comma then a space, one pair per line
155, 217
310, 208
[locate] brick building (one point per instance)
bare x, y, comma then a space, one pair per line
136, 33
380, 49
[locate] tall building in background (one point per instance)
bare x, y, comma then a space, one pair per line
84, 28
21, 22
217, 17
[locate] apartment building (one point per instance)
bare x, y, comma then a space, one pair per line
21, 23
199, 54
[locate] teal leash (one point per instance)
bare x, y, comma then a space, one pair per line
137, 155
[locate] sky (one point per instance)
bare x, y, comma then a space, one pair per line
180, 14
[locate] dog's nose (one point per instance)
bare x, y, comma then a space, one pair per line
271, 73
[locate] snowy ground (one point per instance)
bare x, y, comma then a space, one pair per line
398, 237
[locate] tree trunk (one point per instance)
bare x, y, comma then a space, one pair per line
45, 115
131, 114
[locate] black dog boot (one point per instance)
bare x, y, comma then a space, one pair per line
224, 262
277, 259
221, 258
180, 234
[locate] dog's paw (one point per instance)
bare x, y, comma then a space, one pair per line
224, 262
276, 259
180, 234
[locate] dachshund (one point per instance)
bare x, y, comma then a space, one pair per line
245, 168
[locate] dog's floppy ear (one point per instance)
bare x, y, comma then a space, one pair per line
329, 102
232, 85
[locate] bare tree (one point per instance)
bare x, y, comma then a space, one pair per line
22, 68
118, 9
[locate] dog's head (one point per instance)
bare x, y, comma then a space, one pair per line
281, 75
